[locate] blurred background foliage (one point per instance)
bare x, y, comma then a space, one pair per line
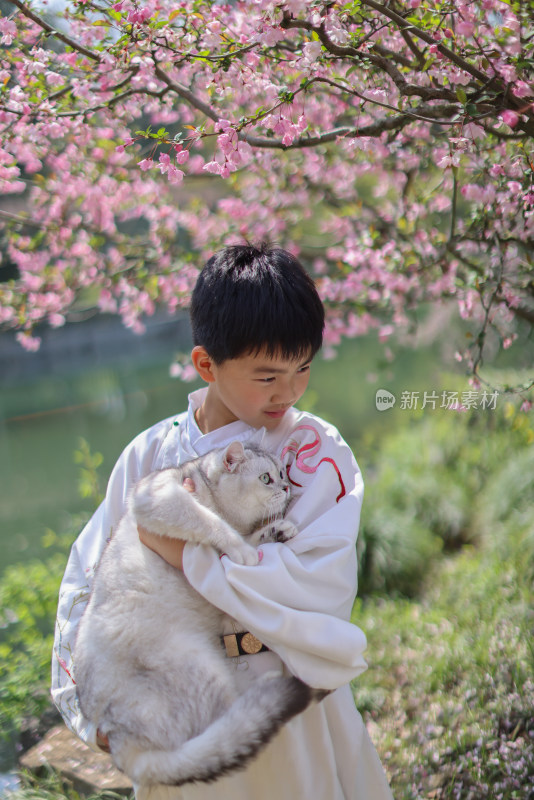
440, 482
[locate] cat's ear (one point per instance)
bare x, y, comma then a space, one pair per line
233, 455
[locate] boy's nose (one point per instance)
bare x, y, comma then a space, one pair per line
284, 395
283, 399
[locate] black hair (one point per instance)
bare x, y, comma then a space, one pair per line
252, 298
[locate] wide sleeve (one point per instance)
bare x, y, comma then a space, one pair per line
137, 460
298, 600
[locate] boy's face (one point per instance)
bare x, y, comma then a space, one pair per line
257, 389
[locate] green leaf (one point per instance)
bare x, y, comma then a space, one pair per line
461, 95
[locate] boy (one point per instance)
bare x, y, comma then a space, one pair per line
257, 322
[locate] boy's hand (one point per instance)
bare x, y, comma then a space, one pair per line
102, 741
171, 550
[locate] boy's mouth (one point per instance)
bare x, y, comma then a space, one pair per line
277, 413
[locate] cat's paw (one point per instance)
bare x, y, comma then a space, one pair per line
243, 554
280, 531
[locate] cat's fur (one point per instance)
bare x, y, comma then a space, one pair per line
150, 669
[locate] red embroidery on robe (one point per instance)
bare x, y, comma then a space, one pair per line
63, 664
307, 451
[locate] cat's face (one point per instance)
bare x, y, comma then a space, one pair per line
255, 483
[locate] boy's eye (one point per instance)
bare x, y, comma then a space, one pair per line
266, 478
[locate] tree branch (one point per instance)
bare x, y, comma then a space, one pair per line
185, 93
379, 60
426, 37
413, 47
57, 34
17, 218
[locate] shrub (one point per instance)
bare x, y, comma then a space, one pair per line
437, 484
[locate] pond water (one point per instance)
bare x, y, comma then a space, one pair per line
38, 477
43, 416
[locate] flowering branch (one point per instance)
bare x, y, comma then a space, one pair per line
399, 135
42, 23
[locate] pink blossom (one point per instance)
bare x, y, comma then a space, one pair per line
107, 302
183, 370
222, 125
182, 156
189, 373
522, 89
8, 29
56, 320
385, 332
381, 253
213, 167
174, 174
139, 16
434, 49
450, 160
465, 28
311, 51
29, 342
164, 162
510, 118
126, 143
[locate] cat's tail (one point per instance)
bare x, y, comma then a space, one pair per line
233, 740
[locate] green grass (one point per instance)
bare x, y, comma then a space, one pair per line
449, 695
51, 787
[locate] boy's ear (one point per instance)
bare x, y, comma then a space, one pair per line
203, 363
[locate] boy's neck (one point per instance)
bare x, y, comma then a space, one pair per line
209, 416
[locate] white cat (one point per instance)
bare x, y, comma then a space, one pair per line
150, 668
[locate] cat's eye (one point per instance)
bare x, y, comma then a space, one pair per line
281, 474
266, 478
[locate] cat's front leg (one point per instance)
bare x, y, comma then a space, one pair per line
163, 505
278, 531
240, 553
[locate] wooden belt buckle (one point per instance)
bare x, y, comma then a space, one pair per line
250, 644
242, 644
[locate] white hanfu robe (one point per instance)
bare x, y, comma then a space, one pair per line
297, 601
